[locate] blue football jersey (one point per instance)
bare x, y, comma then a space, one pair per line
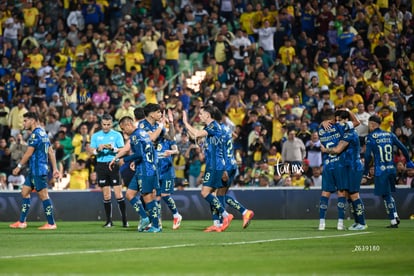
228, 148
329, 139
165, 163
39, 160
142, 146
213, 148
351, 156
380, 146
145, 125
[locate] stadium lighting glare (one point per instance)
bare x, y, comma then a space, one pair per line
195, 80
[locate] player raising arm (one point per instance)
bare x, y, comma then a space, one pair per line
215, 165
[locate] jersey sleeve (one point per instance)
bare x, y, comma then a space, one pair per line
34, 140
93, 142
119, 143
213, 130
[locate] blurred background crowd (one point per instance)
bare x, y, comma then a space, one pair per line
272, 67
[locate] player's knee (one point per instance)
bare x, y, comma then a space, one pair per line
354, 195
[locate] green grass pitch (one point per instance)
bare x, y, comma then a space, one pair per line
266, 247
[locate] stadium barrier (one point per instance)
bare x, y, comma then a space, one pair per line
268, 203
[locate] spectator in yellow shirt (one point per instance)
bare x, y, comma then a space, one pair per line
150, 43
80, 141
287, 53
151, 92
36, 59
387, 119
386, 86
351, 95
133, 58
172, 45
30, 14
323, 71
79, 176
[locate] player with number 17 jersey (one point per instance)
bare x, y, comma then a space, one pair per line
228, 151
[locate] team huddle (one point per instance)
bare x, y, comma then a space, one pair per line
148, 153
343, 169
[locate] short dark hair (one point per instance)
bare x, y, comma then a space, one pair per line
210, 109
151, 107
342, 114
218, 116
328, 114
139, 113
31, 115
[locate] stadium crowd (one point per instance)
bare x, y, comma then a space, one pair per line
272, 67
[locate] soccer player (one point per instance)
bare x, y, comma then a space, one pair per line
153, 124
144, 162
105, 144
166, 148
350, 148
380, 147
333, 175
215, 171
231, 168
38, 153
129, 176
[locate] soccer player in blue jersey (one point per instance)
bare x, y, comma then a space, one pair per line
215, 171
145, 164
350, 150
153, 124
105, 144
166, 148
231, 168
333, 175
132, 192
380, 147
39, 152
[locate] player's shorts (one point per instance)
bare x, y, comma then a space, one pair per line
232, 175
384, 184
147, 184
334, 180
38, 182
107, 177
212, 178
166, 186
354, 180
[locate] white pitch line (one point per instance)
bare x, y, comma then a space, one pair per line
295, 239
97, 251
172, 246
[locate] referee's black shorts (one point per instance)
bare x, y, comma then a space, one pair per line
107, 177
